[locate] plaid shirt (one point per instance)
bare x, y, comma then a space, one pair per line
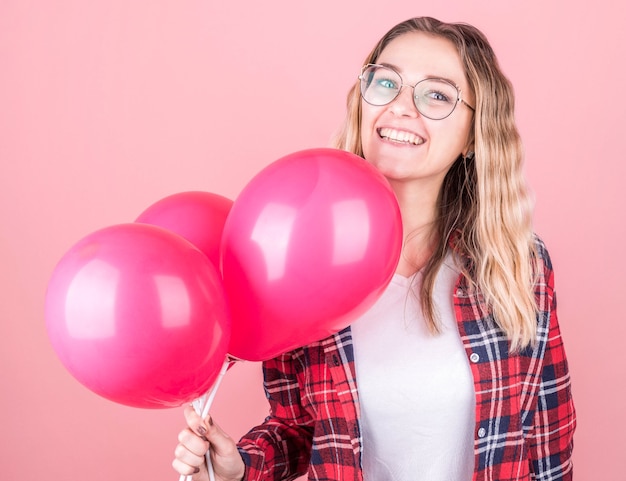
525, 416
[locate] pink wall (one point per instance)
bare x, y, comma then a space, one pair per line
108, 106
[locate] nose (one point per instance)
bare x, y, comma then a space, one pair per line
403, 104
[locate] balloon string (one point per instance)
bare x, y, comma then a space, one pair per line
202, 406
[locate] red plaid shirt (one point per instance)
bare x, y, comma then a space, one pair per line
525, 416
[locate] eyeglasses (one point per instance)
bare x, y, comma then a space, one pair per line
434, 98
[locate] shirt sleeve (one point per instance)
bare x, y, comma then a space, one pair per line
550, 441
280, 448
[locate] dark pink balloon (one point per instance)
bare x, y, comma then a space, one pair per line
197, 216
309, 244
138, 315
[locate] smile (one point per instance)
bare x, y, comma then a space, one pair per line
400, 136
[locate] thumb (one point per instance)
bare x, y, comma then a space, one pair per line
221, 442
225, 456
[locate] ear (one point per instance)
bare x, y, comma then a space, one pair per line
469, 145
468, 151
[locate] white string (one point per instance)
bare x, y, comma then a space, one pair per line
202, 406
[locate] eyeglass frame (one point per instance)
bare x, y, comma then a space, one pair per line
402, 85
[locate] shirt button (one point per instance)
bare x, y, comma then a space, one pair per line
474, 357
482, 432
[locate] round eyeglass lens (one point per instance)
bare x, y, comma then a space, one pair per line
435, 98
380, 85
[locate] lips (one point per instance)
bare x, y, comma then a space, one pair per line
400, 136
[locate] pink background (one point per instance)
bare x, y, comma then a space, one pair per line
108, 106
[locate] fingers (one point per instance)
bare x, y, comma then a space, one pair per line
189, 453
194, 442
185, 469
195, 422
208, 430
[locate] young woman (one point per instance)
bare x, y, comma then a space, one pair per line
458, 373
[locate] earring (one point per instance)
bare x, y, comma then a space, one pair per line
469, 157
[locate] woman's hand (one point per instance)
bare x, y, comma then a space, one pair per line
194, 442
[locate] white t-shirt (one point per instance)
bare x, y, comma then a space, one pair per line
416, 391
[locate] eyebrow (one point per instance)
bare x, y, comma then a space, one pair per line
398, 69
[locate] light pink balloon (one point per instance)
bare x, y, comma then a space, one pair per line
309, 244
138, 315
197, 216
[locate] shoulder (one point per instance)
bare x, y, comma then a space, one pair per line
544, 290
544, 271
542, 251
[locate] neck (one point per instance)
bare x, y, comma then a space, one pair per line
418, 210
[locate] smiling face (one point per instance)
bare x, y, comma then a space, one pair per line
403, 144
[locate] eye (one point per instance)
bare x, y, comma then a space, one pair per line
437, 96
386, 83
436, 92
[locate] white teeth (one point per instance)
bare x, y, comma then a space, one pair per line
400, 136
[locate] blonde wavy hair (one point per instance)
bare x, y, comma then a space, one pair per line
484, 206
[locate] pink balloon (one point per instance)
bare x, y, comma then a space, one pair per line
138, 315
310, 243
199, 217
